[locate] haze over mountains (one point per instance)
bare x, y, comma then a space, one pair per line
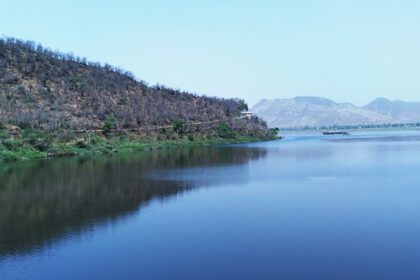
307, 111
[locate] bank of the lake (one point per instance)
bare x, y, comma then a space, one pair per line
39, 146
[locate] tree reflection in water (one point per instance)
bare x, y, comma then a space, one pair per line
45, 201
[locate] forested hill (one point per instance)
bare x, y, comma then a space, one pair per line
47, 90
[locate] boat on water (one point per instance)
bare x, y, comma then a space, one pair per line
336, 133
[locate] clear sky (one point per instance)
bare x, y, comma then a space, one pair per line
352, 50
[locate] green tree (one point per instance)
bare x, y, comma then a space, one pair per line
108, 125
242, 106
178, 126
224, 131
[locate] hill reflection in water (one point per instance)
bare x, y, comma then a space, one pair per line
45, 201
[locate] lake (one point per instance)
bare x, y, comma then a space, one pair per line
306, 207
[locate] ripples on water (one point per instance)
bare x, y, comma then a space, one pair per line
307, 207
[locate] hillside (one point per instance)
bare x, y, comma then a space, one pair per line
399, 111
41, 88
60, 95
301, 112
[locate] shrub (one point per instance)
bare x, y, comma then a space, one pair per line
42, 146
38, 139
242, 106
10, 144
224, 131
173, 136
108, 125
94, 140
4, 134
32, 135
21, 90
178, 126
274, 130
82, 144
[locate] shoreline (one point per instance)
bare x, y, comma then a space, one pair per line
117, 146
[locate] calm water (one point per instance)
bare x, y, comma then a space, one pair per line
307, 207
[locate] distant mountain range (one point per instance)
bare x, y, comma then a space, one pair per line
308, 111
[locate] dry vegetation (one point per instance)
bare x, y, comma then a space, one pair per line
48, 91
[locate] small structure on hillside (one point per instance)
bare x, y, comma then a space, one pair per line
246, 114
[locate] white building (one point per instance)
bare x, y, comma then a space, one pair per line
246, 114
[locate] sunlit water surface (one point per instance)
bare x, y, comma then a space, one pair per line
306, 207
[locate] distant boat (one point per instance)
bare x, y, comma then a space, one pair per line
336, 133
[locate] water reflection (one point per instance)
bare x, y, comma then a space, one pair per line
45, 201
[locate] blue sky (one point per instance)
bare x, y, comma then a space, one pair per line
345, 50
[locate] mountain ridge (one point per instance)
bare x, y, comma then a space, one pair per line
311, 111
